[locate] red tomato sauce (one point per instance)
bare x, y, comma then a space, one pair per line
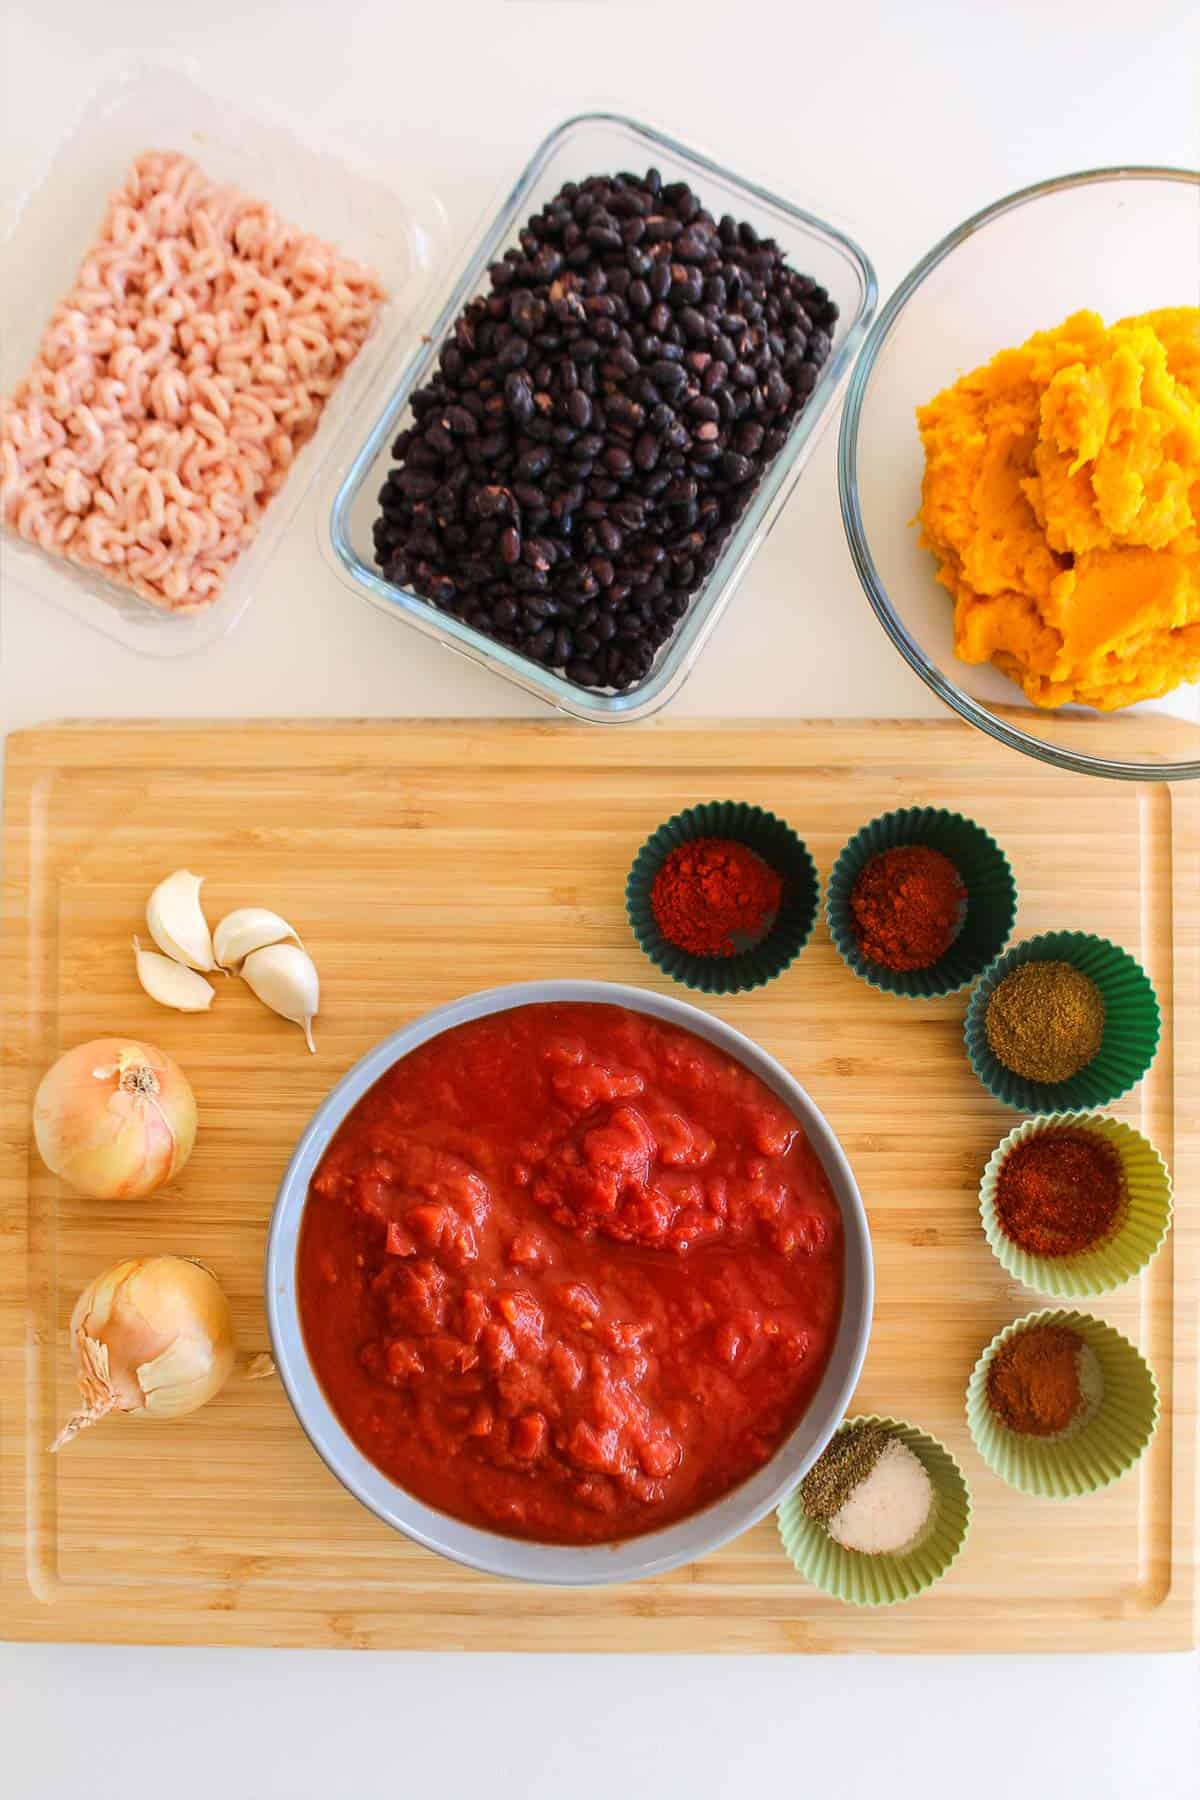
569, 1273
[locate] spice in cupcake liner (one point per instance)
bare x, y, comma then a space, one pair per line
907, 904
1045, 1021
715, 897
1061, 1193
1044, 1382
870, 1492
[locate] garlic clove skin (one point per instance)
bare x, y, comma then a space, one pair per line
284, 977
248, 929
170, 983
176, 920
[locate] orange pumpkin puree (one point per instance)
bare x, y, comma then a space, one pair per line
1061, 498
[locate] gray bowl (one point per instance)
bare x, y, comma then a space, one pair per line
633, 1558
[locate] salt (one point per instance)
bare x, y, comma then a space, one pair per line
890, 1509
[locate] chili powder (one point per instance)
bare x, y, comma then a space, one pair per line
1034, 1381
1060, 1192
713, 892
907, 906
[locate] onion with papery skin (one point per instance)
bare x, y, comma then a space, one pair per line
153, 1336
115, 1118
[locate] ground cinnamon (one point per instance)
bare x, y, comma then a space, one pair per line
1033, 1382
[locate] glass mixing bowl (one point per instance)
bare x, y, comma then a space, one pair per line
1118, 241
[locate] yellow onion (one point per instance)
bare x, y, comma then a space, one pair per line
115, 1118
152, 1336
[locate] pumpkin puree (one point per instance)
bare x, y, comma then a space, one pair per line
1062, 499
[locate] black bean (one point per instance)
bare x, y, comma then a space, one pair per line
518, 395
604, 237
647, 450
596, 422
533, 463
512, 354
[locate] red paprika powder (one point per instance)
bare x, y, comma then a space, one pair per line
713, 892
907, 905
1060, 1192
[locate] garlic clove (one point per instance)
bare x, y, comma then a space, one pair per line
284, 977
177, 923
170, 983
248, 929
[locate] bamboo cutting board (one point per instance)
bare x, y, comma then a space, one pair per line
425, 860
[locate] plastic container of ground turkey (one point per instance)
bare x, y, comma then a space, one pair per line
138, 106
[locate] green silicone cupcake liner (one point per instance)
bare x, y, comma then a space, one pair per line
1106, 1446
769, 838
861, 1580
991, 906
1118, 1258
1131, 1026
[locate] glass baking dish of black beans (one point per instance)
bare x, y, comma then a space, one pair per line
598, 423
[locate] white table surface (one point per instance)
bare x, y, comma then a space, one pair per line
895, 122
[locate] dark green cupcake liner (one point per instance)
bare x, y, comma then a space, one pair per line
771, 839
991, 906
1131, 1026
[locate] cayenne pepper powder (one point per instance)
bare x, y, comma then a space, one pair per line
1060, 1192
712, 892
907, 906
1034, 1383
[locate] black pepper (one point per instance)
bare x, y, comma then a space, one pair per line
842, 1466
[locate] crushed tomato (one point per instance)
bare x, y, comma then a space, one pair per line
569, 1273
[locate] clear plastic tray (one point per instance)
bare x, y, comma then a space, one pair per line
589, 144
140, 106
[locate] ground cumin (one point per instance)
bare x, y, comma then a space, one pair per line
1045, 1021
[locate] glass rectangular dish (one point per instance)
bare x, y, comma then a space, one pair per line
590, 144
138, 106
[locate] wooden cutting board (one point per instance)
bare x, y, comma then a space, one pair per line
422, 861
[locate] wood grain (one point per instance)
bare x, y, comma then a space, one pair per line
425, 860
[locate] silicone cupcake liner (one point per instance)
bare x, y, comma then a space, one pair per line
991, 907
1105, 1447
771, 839
1131, 1026
1111, 1263
861, 1580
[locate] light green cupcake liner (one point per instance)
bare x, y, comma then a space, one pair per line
1116, 1260
1106, 1446
860, 1580
1131, 1026
777, 844
991, 906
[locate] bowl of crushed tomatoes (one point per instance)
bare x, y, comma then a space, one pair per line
569, 1282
